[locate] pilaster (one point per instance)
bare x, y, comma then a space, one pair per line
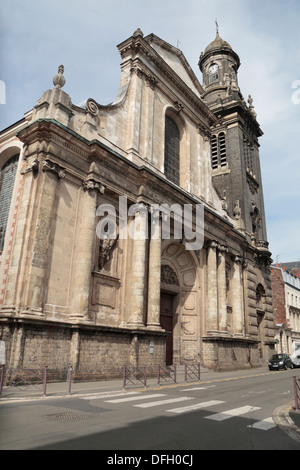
154, 277
84, 263
138, 268
212, 288
237, 297
222, 301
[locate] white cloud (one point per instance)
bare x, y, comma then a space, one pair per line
37, 36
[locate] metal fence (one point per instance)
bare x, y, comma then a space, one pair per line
191, 372
36, 380
30, 379
134, 376
167, 374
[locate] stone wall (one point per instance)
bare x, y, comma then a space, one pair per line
92, 354
230, 355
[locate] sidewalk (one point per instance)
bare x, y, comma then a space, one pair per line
285, 416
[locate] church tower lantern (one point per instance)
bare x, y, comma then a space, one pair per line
235, 157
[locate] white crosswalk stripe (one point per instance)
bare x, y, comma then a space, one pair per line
196, 388
264, 424
232, 413
197, 406
162, 402
98, 396
141, 397
123, 397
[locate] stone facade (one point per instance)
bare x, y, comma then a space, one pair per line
69, 296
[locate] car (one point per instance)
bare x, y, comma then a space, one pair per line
296, 361
280, 361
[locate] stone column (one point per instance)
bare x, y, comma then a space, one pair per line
138, 267
212, 288
85, 252
134, 121
41, 238
237, 297
222, 301
154, 277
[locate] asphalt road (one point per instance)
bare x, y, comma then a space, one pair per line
230, 413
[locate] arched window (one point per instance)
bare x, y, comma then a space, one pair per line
172, 150
7, 179
218, 151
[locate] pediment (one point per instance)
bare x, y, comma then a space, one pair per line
177, 61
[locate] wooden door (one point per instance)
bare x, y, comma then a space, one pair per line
166, 322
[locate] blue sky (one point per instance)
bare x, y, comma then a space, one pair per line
36, 36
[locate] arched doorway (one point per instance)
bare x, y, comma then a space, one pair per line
179, 304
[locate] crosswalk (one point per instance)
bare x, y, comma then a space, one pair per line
186, 404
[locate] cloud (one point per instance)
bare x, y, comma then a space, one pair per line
37, 36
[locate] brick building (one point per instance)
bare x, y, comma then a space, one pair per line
286, 303
70, 296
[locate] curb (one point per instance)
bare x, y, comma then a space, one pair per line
282, 418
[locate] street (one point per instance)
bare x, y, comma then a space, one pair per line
224, 413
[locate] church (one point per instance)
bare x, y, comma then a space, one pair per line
82, 282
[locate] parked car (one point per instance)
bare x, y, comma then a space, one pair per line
280, 361
296, 360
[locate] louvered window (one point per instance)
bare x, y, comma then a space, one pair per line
172, 150
214, 152
218, 151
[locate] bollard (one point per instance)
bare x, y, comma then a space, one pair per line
124, 376
2, 378
70, 380
45, 381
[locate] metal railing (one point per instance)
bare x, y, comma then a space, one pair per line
191, 372
38, 379
134, 375
26, 379
166, 374
296, 392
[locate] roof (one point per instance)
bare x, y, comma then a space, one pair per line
218, 43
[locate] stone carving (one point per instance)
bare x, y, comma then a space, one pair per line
178, 106
255, 216
251, 107
106, 248
237, 210
151, 81
224, 202
92, 107
168, 275
92, 185
138, 32
48, 165
59, 79
31, 166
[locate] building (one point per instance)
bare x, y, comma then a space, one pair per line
70, 295
286, 306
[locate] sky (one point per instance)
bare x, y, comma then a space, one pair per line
36, 36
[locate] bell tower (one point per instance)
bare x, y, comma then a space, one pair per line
235, 157
219, 65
